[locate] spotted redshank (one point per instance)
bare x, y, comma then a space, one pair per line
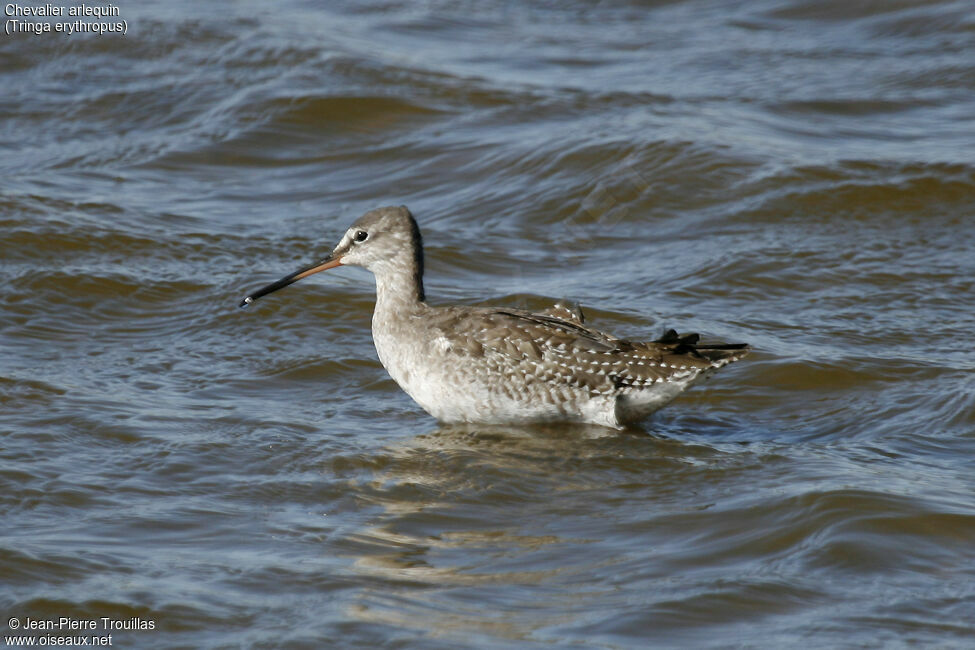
505, 366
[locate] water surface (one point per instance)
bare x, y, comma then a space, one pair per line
793, 174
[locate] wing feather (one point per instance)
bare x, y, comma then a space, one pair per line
567, 352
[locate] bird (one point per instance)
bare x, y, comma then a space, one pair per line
500, 366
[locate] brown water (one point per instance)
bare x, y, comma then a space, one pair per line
795, 174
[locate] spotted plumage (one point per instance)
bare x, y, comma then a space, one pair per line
493, 365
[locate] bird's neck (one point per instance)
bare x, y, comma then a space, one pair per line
399, 288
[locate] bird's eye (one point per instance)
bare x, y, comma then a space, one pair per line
360, 235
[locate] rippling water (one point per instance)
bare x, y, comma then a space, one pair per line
791, 173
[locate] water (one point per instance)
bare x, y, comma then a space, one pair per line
793, 174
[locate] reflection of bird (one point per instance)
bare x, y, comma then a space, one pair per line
492, 365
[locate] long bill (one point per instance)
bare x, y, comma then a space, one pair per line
329, 262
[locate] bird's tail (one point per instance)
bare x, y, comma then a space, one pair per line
719, 354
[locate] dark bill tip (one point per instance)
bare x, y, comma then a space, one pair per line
327, 263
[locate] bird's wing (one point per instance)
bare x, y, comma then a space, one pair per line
568, 352
565, 311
